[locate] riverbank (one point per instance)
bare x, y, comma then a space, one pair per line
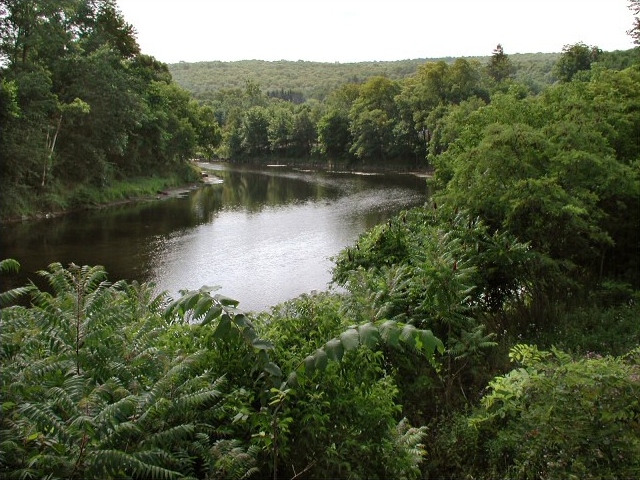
30, 205
343, 165
62, 201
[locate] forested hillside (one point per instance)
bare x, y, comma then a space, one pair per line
316, 80
491, 333
370, 115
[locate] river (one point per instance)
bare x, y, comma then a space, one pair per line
264, 234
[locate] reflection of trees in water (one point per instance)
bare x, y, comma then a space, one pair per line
128, 239
254, 191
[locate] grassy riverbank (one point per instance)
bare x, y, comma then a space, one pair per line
22, 203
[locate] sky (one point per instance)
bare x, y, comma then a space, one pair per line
370, 30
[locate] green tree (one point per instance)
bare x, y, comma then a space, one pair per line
426, 96
91, 108
303, 133
255, 131
334, 136
526, 166
208, 132
372, 132
280, 128
575, 58
373, 117
500, 67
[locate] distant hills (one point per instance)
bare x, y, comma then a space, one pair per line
317, 79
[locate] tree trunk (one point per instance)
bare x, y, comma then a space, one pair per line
51, 148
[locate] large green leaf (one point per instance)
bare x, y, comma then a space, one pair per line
369, 335
223, 329
213, 313
320, 359
272, 369
261, 344
350, 339
334, 349
390, 333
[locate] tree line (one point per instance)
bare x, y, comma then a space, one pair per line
390, 122
316, 80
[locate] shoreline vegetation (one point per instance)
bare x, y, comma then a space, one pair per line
159, 188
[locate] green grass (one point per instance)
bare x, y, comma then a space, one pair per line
21, 203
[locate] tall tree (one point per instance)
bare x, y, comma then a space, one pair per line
373, 117
500, 67
333, 133
575, 58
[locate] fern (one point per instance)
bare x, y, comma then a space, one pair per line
232, 461
10, 265
94, 393
115, 463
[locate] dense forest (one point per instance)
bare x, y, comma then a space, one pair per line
316, 80
491, 333
82, 110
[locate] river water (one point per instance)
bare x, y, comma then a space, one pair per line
264, 235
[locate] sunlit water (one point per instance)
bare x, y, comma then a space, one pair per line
263, 235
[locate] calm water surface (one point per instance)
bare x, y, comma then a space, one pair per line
263, 235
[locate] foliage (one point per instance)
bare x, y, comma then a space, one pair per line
318, 80
442, 270
88, 394
531, 236
500, 67
634, 32
80, 104
610, 330
575, 58
108, 381
560, 167
345, 419
558, 416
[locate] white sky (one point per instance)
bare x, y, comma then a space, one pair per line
369, 30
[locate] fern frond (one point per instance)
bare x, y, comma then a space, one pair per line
182, 366
9, 265
113, 463
46, 420
124, 433
169, 436
116, 413
232, 461
196, 400
61, 399
49, 372
10, 296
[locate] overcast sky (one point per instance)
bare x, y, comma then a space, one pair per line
368, 30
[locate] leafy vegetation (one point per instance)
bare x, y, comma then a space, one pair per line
373, 115
491, 333
106, 381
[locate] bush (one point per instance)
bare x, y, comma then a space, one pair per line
559, 417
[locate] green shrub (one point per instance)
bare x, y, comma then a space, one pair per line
605, 331
559, 417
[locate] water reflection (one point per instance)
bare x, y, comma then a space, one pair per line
264, 235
